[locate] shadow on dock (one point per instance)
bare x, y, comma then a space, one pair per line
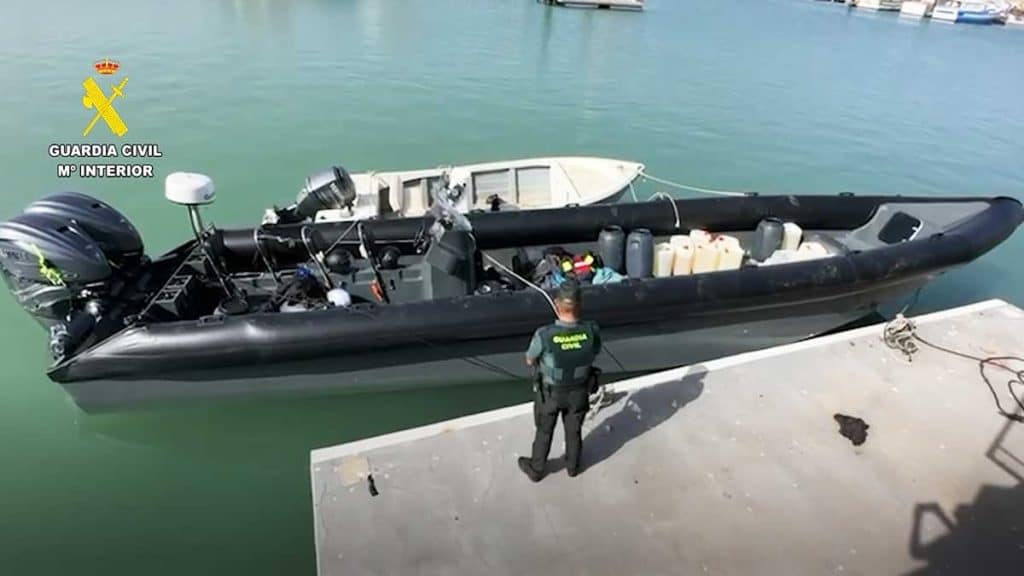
985, 536
639, 412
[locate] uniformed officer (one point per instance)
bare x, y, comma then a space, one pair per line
562, 354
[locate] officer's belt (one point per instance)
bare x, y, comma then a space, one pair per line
555, 387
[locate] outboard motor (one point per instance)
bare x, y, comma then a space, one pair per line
116, 237
326, 190
329, 189
58, 260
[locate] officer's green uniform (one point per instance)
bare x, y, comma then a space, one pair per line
566, 352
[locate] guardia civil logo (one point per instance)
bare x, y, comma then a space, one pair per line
99, 98
96, 99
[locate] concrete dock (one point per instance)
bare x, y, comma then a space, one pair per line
736, 466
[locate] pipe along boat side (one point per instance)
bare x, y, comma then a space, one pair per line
311, 307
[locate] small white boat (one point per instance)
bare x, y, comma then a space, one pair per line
880, 5
604, 4
970, 13
526, 184
946, 12
916, 9
981, 13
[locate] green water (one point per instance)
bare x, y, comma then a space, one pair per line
774, 95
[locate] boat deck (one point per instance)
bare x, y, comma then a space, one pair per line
735, 466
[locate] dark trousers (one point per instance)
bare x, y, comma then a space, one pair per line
572, 404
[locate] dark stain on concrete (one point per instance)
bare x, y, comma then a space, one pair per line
852, 428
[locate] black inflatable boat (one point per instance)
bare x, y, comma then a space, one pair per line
441, 299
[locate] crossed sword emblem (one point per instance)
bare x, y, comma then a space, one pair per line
96, 99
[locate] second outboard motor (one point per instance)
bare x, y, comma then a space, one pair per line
326, 190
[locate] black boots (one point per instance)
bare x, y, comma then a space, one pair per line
533, 475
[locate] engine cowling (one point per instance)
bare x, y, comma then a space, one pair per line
115, 236
328, 189
47, 262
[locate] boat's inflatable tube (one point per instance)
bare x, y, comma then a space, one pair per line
267, 338
567, 225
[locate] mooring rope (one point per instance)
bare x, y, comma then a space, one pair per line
646, 176
901, 334
671, 201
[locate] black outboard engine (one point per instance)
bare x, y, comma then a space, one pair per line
58, 259
116, 237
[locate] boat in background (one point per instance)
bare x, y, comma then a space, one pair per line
916, 9
980, 13
946, 12
599, 4
880, 5
527, 184
969, 13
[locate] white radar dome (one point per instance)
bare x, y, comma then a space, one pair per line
189, 188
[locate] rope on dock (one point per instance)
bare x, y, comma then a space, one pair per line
901, 334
